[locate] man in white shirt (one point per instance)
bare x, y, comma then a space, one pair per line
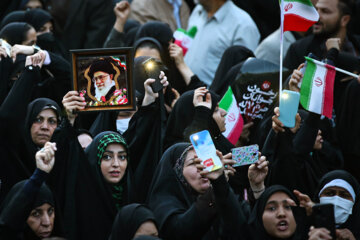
220, 24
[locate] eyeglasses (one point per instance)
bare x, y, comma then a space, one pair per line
101, 78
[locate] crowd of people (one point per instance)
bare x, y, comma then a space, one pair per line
69, 174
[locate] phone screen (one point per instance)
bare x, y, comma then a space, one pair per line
205, 150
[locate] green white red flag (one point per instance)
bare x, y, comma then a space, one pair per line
233, 120
317, 87
299, 15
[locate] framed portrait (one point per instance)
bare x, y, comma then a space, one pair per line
104, 78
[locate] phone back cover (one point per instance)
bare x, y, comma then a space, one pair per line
245, 155
289, 104
206, 151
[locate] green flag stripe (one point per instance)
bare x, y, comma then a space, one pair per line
226, 101
305, 2
306, 85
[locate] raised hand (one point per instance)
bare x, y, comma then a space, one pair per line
214, 174
45, 157
227, 161
305, 201
20, 49
295, 79
36, 60
257, 173
278, 126
176, 53
150, 96
198, 99
72, 102
122, 12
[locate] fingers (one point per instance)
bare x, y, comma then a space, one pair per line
176, 93
291, 202
262, 163
248, 125
228, 156
301, 66
208, 97
319, 233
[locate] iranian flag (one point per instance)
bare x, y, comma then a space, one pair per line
234, 121
317, 87
299, 15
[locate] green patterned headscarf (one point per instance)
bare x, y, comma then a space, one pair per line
117, 189
108, 139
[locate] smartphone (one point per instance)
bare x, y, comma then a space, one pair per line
323, 216
245, 155
205, 150
289, 104
152, 69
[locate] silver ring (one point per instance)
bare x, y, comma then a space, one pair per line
226, 166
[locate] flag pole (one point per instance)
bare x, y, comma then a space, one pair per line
337, 69
281, 45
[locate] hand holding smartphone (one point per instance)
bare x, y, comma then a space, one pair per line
152, 69
323, 217
289, 104
205, 150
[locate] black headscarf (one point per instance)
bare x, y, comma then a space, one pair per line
17, 196
15, 16
167, 194
151, 40
117, 195
178, 130
37, 18
130, 28
15, 32
36, 106
140, 74
352, 222
225, 75
128, 221
257, 230
158, 30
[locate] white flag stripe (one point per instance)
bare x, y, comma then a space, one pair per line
230, 123
317, 90
305, 11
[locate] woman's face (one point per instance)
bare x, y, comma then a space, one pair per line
192, 174
41, 220
219, 117
113, 163
43, 127
148, 228
30, 38
46, 28
336, 191
278, 218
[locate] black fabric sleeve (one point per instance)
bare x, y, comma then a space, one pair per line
5, 66
229, 209
193, 223
115, 39
140, 128
200, 121
15, 214
14, 108
306, 135
195, 83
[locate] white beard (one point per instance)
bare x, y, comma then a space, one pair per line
104, 91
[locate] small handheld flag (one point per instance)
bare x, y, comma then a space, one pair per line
317, 87
233, 120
